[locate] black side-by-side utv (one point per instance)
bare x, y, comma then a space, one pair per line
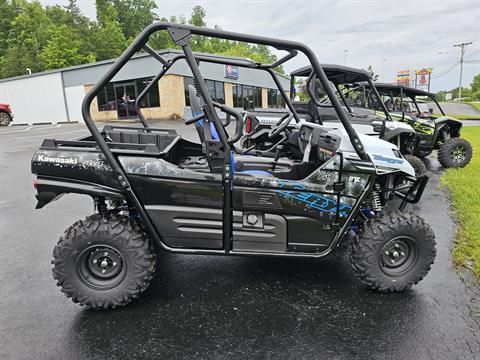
435, 133
153, 190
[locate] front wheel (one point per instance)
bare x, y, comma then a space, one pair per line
393, 252
455, 153
5, 119
103, 262
417, 164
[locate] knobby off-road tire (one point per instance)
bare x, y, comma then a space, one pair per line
417, 164
103, 262
455, 153
5, 118
394, 252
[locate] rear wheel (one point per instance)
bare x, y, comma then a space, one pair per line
5, 118
394, 252
455, 153
103, 262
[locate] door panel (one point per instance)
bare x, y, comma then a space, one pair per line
185, 206
309, 205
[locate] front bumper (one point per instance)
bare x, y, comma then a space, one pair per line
414, 191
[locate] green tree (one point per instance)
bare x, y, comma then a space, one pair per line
475, 86
62, 49
134, 15
107, 34
8, 12
162, 40
81, 27
28, 34
198, 43
108, 40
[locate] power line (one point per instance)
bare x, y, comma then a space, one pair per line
446, 71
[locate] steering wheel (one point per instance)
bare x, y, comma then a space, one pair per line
281, 125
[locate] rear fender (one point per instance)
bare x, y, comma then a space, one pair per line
50, 189
453, 125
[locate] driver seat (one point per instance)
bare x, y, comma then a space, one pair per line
245, 164
196, 107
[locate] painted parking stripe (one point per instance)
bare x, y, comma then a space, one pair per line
53, 134
16, 131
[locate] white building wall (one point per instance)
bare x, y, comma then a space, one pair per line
74, 96
35, 99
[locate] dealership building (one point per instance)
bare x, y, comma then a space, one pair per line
56, 96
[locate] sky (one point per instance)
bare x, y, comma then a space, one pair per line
389, 35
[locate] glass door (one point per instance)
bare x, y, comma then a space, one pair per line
126, 94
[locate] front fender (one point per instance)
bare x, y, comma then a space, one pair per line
50, 189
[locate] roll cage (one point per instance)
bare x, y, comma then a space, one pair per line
180, 34
401, 91
339, 75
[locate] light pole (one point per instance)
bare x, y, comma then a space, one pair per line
462, 52
345, 57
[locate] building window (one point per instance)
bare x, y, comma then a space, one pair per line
152, 98
275, 99
107, 99
119, 93
216, 90
237, 96
247, 96
186, 82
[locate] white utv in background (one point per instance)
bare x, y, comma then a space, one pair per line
317, 108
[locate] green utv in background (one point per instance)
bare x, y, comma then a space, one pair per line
407, 105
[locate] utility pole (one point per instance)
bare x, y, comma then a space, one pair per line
345, 57
462, 46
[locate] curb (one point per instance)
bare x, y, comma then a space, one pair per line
22, 124
42, 123
68, 122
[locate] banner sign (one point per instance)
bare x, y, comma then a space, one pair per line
422, 78
231, 72
403, 77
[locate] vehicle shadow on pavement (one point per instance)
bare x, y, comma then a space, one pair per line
214, 307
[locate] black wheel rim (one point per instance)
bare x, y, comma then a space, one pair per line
398, 256
101, 267
458, 154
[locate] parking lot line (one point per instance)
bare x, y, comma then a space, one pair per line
52, 134
16, 131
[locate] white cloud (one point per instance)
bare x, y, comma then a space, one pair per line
407, 34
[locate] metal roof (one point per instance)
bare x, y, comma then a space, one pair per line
337, 74
395, 89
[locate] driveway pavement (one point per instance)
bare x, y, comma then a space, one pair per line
206, 307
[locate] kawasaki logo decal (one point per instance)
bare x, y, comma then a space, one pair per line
58, 160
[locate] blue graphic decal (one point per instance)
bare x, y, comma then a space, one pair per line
313, 200
387, 159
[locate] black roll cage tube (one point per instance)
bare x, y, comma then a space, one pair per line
414, 99
369, 81
167, 64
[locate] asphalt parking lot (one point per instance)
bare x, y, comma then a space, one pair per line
206, 307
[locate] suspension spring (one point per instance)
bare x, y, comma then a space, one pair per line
376, 201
